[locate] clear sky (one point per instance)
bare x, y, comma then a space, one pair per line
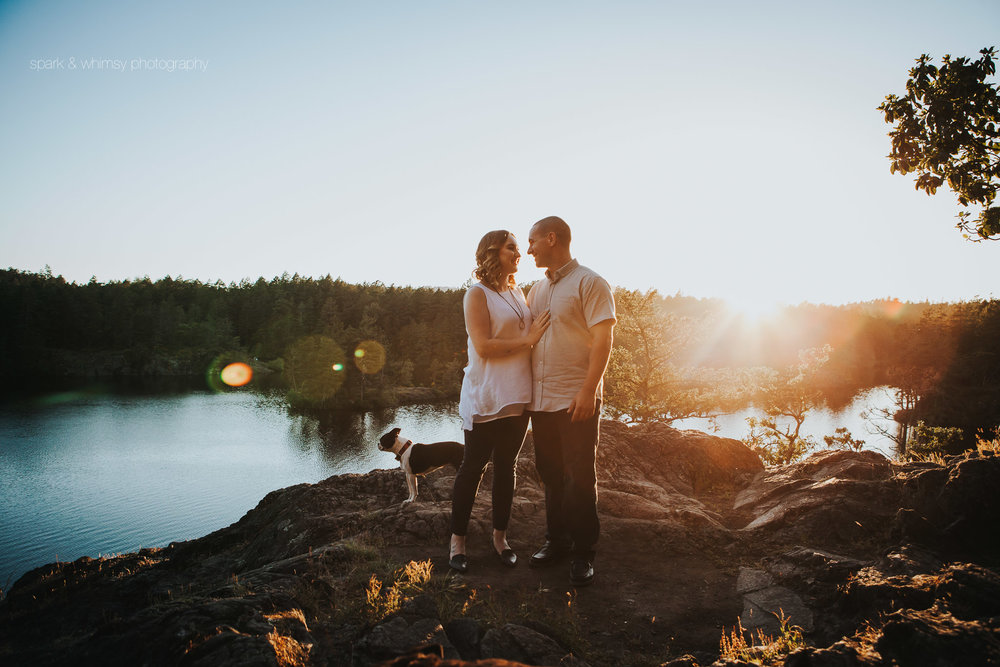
716, 149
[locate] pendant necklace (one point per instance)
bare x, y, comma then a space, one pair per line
515, 307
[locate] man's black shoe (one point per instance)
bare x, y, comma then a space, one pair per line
581, 573
548, 553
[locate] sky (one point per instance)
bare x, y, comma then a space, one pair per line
712, 149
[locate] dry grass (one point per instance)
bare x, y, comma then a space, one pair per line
338, 580
765, 650
416, 574
379, 604
287, 651
288, 615
357, 581
382, 601
988, 442
926, 457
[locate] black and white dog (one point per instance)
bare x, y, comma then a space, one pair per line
418, 459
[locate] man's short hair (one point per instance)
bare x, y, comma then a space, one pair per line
556, 225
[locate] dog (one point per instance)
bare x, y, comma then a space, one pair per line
418, 459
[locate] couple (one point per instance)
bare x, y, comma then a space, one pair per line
542, 358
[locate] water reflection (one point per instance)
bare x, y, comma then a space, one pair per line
819, 422
348, 440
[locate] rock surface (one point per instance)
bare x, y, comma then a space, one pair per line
876, 562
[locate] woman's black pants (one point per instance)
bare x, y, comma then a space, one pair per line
501, 439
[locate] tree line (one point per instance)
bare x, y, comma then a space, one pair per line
678, 357
173, 326
328, 344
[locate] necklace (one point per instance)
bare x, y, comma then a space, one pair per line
515, 307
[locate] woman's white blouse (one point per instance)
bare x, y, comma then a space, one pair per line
499, 386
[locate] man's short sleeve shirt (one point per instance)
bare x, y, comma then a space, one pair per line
577, 299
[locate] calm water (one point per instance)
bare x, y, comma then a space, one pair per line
818, 422
86, 475
82, 475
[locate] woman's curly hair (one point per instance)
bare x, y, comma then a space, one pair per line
488, 260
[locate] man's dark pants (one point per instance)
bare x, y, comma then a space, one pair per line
565, 457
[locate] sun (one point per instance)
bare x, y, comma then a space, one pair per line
754, 309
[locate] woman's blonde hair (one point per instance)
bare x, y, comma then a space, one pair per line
488, 260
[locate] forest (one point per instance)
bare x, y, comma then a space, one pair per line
327, 344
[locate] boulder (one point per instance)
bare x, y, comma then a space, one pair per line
396, 636
519, 643
767, 606
832, 497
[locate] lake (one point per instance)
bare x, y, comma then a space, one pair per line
818, 422
100, 472
90, 474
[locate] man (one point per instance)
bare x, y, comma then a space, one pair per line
568, 365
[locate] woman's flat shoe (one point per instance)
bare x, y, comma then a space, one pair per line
507, 557
459, 563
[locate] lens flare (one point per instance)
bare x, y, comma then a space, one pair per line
228, 371
313, 368
369, 357
236, 374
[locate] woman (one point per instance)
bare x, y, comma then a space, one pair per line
495, 390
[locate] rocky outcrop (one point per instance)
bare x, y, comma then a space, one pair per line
875, 562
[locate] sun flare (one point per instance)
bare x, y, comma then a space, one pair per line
755, 309
236, 374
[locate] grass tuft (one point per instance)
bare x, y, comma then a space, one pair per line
378, 605
926, 457
765, 650
289, 614
382, 600
287, 651
988, 442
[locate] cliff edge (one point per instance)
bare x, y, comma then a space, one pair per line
844, 558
